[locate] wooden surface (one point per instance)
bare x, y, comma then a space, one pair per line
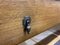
44, 15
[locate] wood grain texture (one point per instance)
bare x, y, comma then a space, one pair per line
12, 12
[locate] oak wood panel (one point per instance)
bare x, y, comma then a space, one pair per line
12, 13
